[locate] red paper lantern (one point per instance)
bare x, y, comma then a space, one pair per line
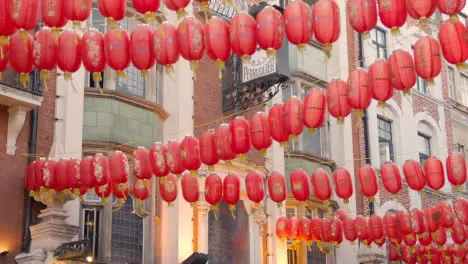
343, 184
341, 214
394, 253
278, 131
190, 41
119, 167
431, 219
402, 72
456, 169
218, 42
223, 143
4, 55
86, 176
451, 7
243, 35
460, 207
158, 161
53, 14
299, 185
293, 231
403, 222
168, 189
94, 56
48, 174
321, 184
277, 187
7, 28
190, 154
315, 229
440, 236
408, 255
21, 59
393, 14
45, 53
421, 10
427, 58
100, 171
391, 177
410, 240
29, 183
336, 231
178, 6
304, 229
190, 189
326, 24
433, 254
458, 233
325, 230
141, 164
61, 176
121, 191
314, 112
148, 8
434, 171
359, 96
337, 93
362, 15
141, 190
447, 216
103, 191
349, 229
362, 230
255, 187
69, 53
380, 83
213, 190
208, 153
77, 10
174, 158
417, 221
260, 132
414, 175
113, 10
25, 14
142, 49
73, 172
425, 239
165, 46
458, 251
117, 46
293, 116
368, 181
390, 226
39, 173
240, 136
270, 30
282, 228
231, 191
376, 230
454, 44
298, 24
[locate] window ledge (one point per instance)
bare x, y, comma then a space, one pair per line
458, 105
313, 158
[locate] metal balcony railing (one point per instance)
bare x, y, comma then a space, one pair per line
11, 79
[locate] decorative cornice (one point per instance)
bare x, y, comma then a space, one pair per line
128, 99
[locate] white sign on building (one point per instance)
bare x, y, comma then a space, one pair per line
260, 65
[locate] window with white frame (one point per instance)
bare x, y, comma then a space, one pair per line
386, 151
91, 215
379, 40
424, 147
464, 89
451, 83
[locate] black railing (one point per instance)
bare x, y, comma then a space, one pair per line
12, 79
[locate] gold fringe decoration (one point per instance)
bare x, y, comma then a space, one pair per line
121, 201
232, 208
245, 58
169, 69
68, 77
221, 67
76, 192
121, 74
301, 48
171, 204
271, 52
97, 78
181, 13
423, 24
111, 22
193, 173
395, 31
454, 18
55, 34
156, 219
76, 25
462, 66
24, 35
327, 48
241, 156
146, 184
371, 199
214, 208
340, 120
359, 114
144, 75
44, 75
24, 78
430, 82
366, 35
279, 205
263, 152
150, 18
194, 68
204, 6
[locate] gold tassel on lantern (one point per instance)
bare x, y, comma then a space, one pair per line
221, 67
150, 18
301, 48
181, 13
430, 82
3, 41
111, 22
232, 208
424, 24
271, 52
454, 18
462, 66
45, 78
194, 68
76, 25
24, 77
24, 35
55, 34
395, 31
245, 59
327, 48
366, 35
68, 77
144, 75
97, 78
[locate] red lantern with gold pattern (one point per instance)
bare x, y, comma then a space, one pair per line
298, 24
376, 230
458, 232
208, 153
425, 239
141, 164
349, 229
277, 188
402, 72
165, 46
446, 214
21, 56
25, 14
453, 39
394, 253
414, 175
380, 81
178, 6
336, 231
38, 172
69, 52
440, 236
148, 8
119, 167
270, 30
359, 96
362, 230
403, 222
141, 190
321, 184
48, 174
431, 219
368, 181
314, 112
391, 177
240, 136
421, 10
427, 59
315, 229
282, 228
53, 14
325, 230
94, 55
190, 41
362, 15
417, 221
343, 184
121, 191
260, 133
458, 251
190, 189
304, 229
434, 171
117, 46
103, 191
460, 207
7, 28
299, 185
113, 10
218, 42
158, 161
142, 49
390, 226
292, 117
223, 143
100, 171
456, 169
174, 158
410, 240
243, 35
61, 176
338, 105
393, 14
451, 8
326, 23
278, 131
190, 154
408, 255
231, 191
86, 176
45, 53
254, 186
73, 172
341, 214
293, 230
77, 10
168, 189
213, 190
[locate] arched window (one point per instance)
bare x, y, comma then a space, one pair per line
426, 141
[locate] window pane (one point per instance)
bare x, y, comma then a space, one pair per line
384, 152
464, 90
381, 37
451, 82
312, 143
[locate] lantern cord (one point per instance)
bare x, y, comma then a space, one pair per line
44, 78
68, 77
205, 14
221, 68
232, 208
